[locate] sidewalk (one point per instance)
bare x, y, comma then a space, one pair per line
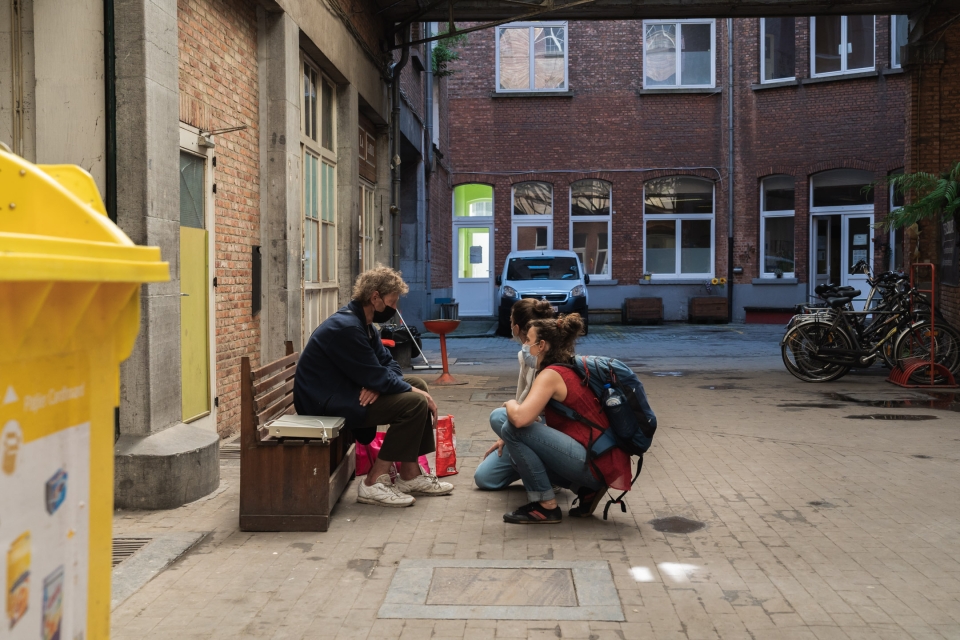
816, 525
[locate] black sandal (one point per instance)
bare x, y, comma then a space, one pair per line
534, 513
587, 502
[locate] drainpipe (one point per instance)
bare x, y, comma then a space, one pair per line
110, 107
395, 70
729, 170
428, 170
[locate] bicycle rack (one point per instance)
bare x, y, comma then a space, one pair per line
901, 377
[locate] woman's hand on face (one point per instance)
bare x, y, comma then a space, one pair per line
497, 446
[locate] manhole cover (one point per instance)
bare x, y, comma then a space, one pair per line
477, 586
123, 548
892, 416
676, 524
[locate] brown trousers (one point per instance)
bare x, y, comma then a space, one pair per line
411, 431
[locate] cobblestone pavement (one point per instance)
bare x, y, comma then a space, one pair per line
817, 525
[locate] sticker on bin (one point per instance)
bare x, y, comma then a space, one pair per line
56, 491
53, 604
18, 578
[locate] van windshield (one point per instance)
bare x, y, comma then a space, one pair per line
543, 268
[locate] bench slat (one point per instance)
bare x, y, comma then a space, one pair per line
269, 398
279, 408
276, 365
278, 378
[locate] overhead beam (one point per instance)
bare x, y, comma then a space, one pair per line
499, 10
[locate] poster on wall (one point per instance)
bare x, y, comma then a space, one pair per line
949, 262
44, 522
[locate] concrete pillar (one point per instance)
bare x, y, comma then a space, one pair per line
280, 215
348, 189
160, 462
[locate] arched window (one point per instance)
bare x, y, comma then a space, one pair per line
472, 201
590, 233
532, 216
776, 227
678, 227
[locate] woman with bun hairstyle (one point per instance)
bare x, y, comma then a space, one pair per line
497, 472
557, 454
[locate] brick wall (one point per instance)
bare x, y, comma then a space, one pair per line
218, 89
441, 209
608, 130
933, 140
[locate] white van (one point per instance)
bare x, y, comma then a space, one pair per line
553, 275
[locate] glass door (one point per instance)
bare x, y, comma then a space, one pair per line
857, 242
473, 269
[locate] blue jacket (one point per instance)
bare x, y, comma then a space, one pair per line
343, 356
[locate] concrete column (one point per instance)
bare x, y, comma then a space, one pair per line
160, 462
280, 220
348, 189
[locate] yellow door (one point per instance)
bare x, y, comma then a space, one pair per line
194, 331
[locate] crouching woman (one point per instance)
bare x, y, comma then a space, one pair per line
555, 452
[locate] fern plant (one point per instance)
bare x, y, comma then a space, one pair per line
937, 197
445, 52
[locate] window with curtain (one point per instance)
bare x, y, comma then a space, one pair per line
678, 231
590, 222
678, 53
776, 226
532, 56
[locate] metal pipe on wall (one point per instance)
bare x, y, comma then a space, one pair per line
110, 106
730, 159
395, 70
428, 171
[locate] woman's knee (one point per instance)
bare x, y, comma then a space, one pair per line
509, 432
498, 418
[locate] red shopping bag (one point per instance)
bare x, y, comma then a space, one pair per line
446, 447
367, 455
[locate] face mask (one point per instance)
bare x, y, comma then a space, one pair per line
381, 317
528, 358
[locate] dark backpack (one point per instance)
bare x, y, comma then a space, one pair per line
621, 395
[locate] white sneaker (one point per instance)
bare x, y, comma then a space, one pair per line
425, 485
383, 493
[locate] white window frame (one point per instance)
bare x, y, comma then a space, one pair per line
368, 225
678, 218
315, 148
894, 49
844, 44
764, 216
607, 218
532, 46
713, 53
893, 232
763, 54
531, 220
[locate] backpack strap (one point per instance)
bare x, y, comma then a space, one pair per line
619, 499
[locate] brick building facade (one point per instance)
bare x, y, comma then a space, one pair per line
634, 124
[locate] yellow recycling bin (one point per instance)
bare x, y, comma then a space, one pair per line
69, 314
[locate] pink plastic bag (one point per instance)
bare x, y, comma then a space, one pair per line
367, 455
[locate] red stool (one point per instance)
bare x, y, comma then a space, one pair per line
443, 327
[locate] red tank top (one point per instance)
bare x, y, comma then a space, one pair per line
614, 464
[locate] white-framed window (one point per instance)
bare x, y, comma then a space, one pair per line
776, 227
532, 56
896, 201
679, 53
842, 44
318, 144
368, 226
591, 206
473, 200
778, 49
899, 35
532, 207
678, 219
841, 190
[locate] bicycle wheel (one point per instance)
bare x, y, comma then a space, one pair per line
800, 344
915, 342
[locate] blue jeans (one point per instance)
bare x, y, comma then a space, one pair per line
543, 456
496, 472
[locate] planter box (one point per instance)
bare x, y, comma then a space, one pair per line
642, 310
708, 309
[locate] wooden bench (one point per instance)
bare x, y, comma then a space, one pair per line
291, 485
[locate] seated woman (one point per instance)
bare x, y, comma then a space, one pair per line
497, 472
557, 453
